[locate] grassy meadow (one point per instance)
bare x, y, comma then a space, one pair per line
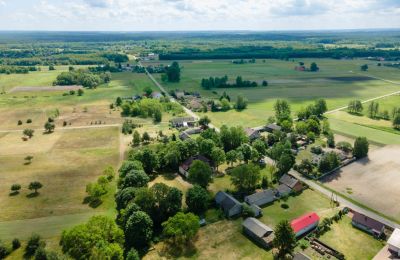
338, 81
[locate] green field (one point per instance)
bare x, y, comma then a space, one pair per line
336, 82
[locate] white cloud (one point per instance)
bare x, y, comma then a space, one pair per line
3, 3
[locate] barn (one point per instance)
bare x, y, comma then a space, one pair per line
305, 223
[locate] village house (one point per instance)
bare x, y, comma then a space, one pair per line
291, 182
272, 127
300, 256
258, 231
367, 224
178, 122
282, 190
229, 205
304, 223
251, 133
261, 198
156, 95
394, 243
185, 166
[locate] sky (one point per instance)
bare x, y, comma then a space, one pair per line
187, 15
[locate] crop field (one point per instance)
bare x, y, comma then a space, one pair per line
338, 81
74, 157
372, 181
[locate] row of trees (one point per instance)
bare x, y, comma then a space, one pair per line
216, 82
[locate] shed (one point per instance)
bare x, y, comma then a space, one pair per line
257, 210
300, 256
367, 224
305, 223
231, 206
291, 182
394, 243
272, 127
251, 133
258, 231
183, 121
261, 198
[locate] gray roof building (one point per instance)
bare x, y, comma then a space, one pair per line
258, 231
261, 198
230, 205
283, 190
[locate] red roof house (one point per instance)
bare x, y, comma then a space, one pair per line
305, 223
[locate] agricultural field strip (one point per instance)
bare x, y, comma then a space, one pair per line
188, 111
347, 203
64, 128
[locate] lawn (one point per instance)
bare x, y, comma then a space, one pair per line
335, 82
353, 243
64, 162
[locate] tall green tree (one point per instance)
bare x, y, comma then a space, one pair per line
218, 156
181, 228
284, 240
282, 110
197, 199
361, 147
245, 177
138, 230
200, 173
173, 72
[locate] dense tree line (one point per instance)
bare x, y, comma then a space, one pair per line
16, 69
216, 82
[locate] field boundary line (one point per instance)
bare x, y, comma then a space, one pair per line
63, 128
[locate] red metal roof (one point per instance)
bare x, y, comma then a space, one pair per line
304, 221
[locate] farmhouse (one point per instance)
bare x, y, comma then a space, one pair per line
305, 223
258, 231
261, 198
291, 182
394, 243
367, 224
231, 206
185, 166
183, 122
251, 133
273, 127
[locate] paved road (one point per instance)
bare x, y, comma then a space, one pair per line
63, 128
344, 202
172, 99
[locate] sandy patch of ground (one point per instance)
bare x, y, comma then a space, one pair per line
373, 181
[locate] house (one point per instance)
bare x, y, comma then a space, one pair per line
251, 133
394, 243
258, 231
229, 205
183, 136
185, 166
282, 190
257, 210
273, 127
305, 223
291, 182
367, 224
261, 198
183, 122
179, 94
156, 95
195, 104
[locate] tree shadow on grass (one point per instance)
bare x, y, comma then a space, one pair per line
14, 193
32, 195
186, 250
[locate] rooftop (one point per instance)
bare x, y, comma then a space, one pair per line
257, 227
288, 180
394, 239
367, 222
304, 221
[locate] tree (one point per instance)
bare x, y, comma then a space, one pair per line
225, 105
93, 239
80, 92
373, 109
218, 156
173, 72
146, 137
15, 188
284, 240
148, 158
231, 157
118, 101
204, 121
124, 197
233, 137
282, 110
314, 67
313, 126
206, 146
95, 191
396, 121
138, 230
285, 163
361, 147
128, 166
320, 107
33, 244
355, 107
132, 255
157, 116
51, 67
35, 185
136, 138
148, 91
181, 228
245, 150
49, 127
245, 177
328, 162
241, 103
28, 132
364, 67
330, 140
200, 173
197, 200
264, 83
28, 159
4, 250
135, 178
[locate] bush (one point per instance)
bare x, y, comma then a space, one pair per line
344, 146
16, 244
33, 244
19, 122
304, 244
247, 211
284, 206
29, 121
4, 251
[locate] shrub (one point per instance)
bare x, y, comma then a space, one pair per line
16, 244
33, 244
284, 206
19, 122
29, 121
247, 211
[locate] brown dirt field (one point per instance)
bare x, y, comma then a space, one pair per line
372, 181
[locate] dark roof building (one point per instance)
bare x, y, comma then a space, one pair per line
291, 182
185, 166
261, 198
183, 121
367, 224
301, 256
273, 127
252, 133
258, 231
231, 206
283, 190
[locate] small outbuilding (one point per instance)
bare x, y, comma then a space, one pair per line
261, 198
258, 231
257, 210
229, 205
304, 223
272, 127
367, 224
251, 133
394, 243
282, 190
183, 122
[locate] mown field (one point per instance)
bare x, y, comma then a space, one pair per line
338, 81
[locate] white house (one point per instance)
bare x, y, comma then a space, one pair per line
394, 243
